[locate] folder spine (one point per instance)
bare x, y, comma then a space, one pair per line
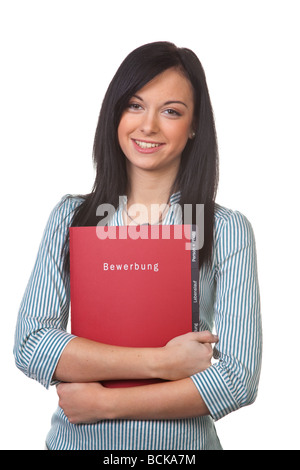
195, 279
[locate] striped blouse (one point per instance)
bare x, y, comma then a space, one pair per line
228, 301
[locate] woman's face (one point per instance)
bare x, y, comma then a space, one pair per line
155, 126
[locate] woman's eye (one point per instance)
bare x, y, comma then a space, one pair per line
134, 106
172, 112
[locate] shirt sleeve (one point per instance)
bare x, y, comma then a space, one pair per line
232, 381
40, 335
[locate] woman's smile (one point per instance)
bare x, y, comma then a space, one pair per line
144, 146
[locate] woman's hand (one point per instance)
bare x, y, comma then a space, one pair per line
83, 402
186, 355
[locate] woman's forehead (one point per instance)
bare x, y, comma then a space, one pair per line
170, 85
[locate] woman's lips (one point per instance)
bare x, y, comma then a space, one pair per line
144, 146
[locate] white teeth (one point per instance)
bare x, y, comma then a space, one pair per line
146, 145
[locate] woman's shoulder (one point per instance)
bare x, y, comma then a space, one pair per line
69, 201
63, 210
231, 222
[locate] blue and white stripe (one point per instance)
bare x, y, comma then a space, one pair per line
229, 301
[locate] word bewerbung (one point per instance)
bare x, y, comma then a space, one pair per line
131, 267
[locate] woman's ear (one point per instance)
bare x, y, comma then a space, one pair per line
192, 132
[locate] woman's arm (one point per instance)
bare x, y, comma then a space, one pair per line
40, 335
232, 381
91, 402
84, 360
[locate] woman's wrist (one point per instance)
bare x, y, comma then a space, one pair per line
108, 404
156, 362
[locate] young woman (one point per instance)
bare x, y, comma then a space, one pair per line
155, 143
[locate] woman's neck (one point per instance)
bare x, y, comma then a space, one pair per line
148, 188
148, 191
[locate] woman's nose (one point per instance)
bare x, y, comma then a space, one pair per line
149, 124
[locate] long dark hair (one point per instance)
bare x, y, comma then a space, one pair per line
197, 177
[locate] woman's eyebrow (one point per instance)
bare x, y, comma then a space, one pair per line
165, 104
175, 101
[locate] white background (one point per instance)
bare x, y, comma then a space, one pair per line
57, 58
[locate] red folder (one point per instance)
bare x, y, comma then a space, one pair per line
133, 286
